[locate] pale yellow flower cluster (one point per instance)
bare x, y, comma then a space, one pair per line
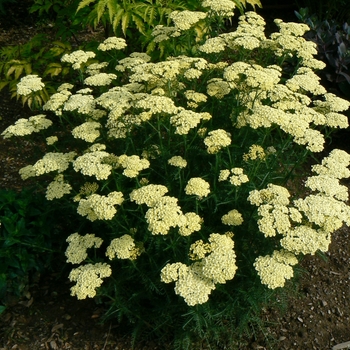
87, 131
51, 140
132, 164
149, 194
222, 8
216, 140
91, 164
232, 218
86, 190
56, 101
100, 79
305, 240
196, 186
194, 98
185, 120
238, 177
275, 269
57, 188
23, 127
163, 215
88, 278
123, 247
76, 251
184, 20
255, 152
81, 103
28, 84
97, 207
133, 60
77, 58
191, 223
95, 68
218, 88
195, 282
306, 80
164, 212
178, 161
50, 162
273, 194
112, 43
163, 33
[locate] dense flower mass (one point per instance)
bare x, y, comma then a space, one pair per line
57, 188
28, 84
88, 278
123, 248
112, 43
275, 269
97, 207
24, 127
197, 187
76, 251
77, 58
216, 140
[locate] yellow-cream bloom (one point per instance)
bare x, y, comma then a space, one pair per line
51, 140
149, 194
163, 215
178, 161
87, 131
92, 164
124, 248
275, 269
184, 20
23, 127
191, 223
255, 152
77, 58
233, 218
216, 140
57, 188
198, 187
132, 165
112, 43
76, 251
97, 207
28, 84
88, 278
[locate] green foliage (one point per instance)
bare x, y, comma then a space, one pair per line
333, 46
331, 10
61, 15
26, 239
38, 56
3, 4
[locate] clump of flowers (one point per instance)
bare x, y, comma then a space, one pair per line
160, 155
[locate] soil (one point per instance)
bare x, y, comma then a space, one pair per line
47, 317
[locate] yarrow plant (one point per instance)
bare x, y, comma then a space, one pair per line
182, 167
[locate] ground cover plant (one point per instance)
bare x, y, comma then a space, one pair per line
185, 170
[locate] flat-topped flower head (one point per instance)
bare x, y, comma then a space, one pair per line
76, 251
112, 43
177, 161
192, 223
57, 188
100, 79
185, 120
196, 186
216, 140
133, 165
23, 127
87, 131
232, 218
184, 20
149, 194
97, 207
275, 269
77, 58
222, 8
88, 278
163, 215
123, 247
28, 84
